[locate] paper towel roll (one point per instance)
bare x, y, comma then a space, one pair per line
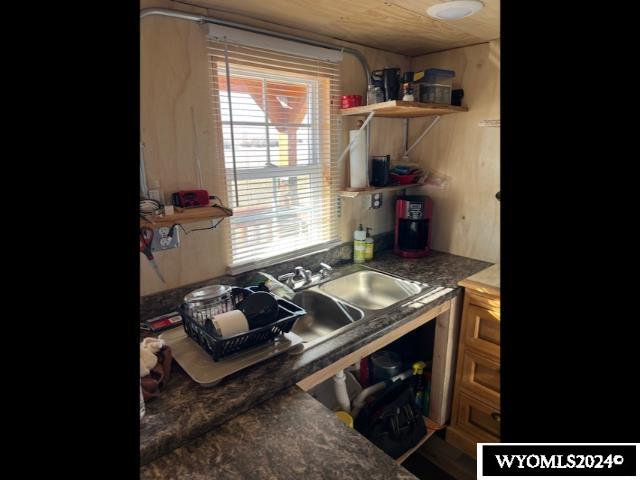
230, 323
358, 160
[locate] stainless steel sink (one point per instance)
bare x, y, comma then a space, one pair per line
353, 295
324, 315
371, 290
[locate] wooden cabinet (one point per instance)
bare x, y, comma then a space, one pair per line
479, 419
476, 399
482, 332
481, 375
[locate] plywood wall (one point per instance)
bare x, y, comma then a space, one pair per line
176, 129
466, 213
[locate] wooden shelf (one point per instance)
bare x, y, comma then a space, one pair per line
185, 215
370, 190
489, 123
432, 427
400, 109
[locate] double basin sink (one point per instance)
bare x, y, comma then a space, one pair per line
358, 294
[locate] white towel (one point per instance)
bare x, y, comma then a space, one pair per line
148, 359
144, 371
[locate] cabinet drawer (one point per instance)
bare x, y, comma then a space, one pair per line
482, 329
481, 376
490, 302
478, 419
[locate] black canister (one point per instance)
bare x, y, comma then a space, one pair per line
380, 170
391, 83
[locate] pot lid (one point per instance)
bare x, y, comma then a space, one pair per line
207, 293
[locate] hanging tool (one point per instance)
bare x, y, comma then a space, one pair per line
146, 236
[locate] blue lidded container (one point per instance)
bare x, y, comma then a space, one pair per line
436, 86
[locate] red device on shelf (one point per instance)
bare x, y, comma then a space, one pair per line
413, 226
350, 101
190, 198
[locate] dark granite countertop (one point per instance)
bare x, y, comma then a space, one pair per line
290, 436
185, 410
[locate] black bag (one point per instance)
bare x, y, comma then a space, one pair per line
392, 422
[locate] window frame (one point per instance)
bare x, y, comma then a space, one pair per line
313, 125
315, 168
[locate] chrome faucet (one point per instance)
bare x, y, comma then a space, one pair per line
325, 270
302, 277
304, 274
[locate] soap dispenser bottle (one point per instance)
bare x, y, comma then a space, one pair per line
368, 247
359, 245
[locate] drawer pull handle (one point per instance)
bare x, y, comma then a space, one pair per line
496, 416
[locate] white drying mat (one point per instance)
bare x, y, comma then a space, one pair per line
202, 369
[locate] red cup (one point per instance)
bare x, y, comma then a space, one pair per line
403, 179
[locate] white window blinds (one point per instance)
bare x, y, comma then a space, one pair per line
278, 133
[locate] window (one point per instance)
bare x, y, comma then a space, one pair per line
277, 125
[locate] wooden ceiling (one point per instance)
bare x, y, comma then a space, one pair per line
400, 26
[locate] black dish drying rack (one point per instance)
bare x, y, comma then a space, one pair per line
219, 347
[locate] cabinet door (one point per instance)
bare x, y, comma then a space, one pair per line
479, 419
482, 330
482, 376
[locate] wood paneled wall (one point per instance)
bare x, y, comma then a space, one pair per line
466, 216
466, 213
176, 129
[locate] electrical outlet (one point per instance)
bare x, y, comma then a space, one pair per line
161, 240
376, 200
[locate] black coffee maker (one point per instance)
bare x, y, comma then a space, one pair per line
413, 226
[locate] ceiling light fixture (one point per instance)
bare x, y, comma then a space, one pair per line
455, 9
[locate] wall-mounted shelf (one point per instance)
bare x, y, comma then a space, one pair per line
370, 190
489, 123
186, 215
400, 109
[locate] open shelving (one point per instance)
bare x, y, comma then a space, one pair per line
395, 109
346, 193
401, 109
186, 215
